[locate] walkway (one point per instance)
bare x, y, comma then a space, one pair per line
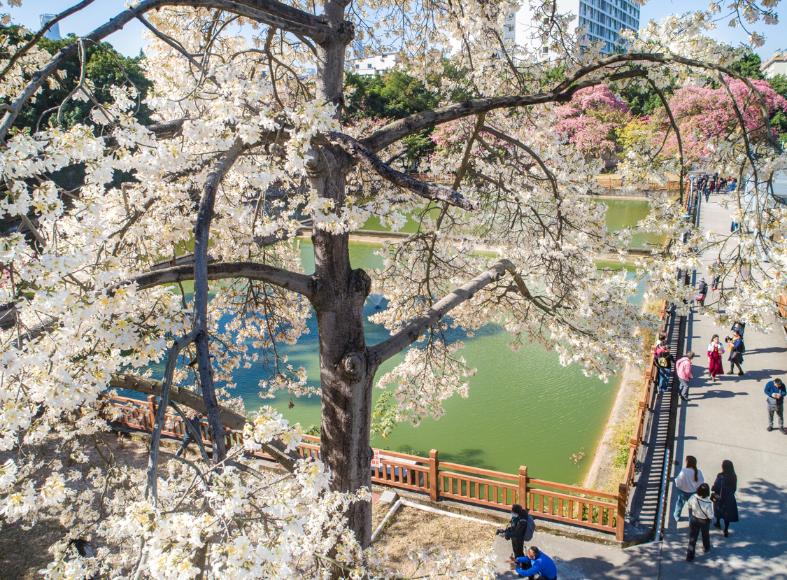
722, 421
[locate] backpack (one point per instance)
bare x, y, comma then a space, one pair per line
530, 529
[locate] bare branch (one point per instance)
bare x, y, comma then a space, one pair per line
187, 398
675, 128
400, 128
426, 190
169, 372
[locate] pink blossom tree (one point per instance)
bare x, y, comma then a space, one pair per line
708, 115
591, 119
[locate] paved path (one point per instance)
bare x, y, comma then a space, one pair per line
721, 421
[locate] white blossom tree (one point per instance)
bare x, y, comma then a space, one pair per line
249, 150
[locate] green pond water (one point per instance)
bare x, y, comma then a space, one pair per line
523, 407
621, 213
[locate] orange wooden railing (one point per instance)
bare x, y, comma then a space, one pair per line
549, 500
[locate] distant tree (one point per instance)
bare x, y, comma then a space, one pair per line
591, 119
748, 64
104, 67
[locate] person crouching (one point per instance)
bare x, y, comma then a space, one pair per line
536, 565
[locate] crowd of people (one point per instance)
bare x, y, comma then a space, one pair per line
708, 184
710, 503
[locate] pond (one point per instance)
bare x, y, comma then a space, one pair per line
523, 407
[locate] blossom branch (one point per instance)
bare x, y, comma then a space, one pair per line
426, 190
269, 12
40, 34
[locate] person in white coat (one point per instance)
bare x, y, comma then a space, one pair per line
686, 484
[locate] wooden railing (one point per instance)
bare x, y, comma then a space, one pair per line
549, 500
637, 439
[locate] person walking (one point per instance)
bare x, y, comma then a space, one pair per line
776, 391
686, 484
702, 292
536, 565
700, 515
725, 506
737, 348
715, 350
683, 370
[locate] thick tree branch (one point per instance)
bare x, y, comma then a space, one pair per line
300, 283
562, 92
169, 372
382, 351
187, 398
400, 128
426, 190
410, 333
201, 240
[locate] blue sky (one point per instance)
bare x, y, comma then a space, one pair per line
131, 39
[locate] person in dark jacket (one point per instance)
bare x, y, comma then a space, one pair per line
516, 530
736, 349
725, 507
776, 392
539, 565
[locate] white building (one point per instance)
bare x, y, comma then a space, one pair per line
54, 32
373, 65
601, 21
776, 65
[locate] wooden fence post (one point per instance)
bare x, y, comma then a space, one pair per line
621, 515
522, 493
434, 483
151, 411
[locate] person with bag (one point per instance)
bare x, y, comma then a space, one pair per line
715, 350
686, 484
725, 506
520, 530
663, 361
683, 370
737, 348
700, 515
776, 391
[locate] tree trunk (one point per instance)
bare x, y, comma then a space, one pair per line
339, 295
345, 373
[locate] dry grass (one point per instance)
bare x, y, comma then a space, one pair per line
412, 530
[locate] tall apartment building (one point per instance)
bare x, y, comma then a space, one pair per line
601, 21
54, 32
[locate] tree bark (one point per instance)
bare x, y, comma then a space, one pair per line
339, 293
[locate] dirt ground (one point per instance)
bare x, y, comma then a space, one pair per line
412, 531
